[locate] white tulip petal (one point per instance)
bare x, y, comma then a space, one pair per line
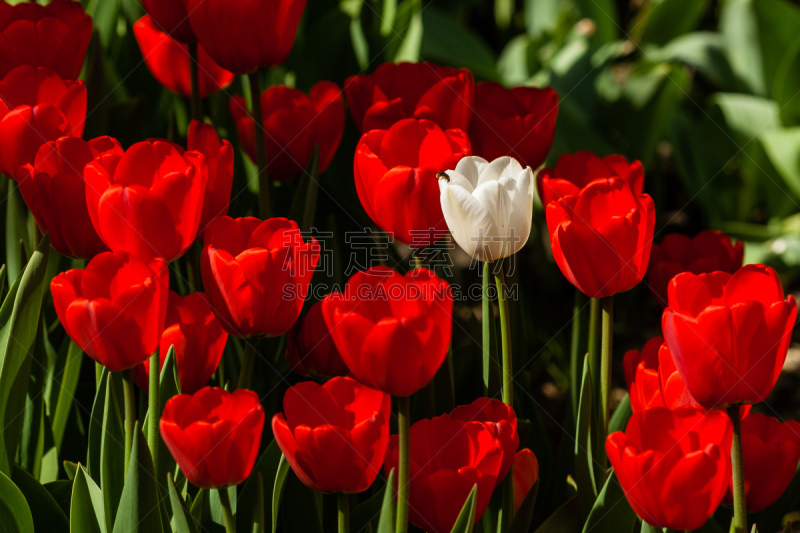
471, 168
469, 221
497, 201
500, 168
456, 179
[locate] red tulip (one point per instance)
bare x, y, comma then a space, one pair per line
203, 138
641, 376
392, 331
147, 201
770, 452
396, 91
294, 124
54, 190
575, 171
246, 36
729, 334
310, 348
257, 273
334, 436
601, 237
673, 388
500, 419
518, 122
55, 36
674, 466
170, 16
213, 435
114, 309
395, 173
526, 474
170, 63
36, 106
708, 251
448, 458
199, 341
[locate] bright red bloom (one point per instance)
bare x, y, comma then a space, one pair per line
575, 171
170, 16
526, 474
641, 376
199, 341
674, 466
147, 201
448, 458
246, 36
729, 334
396, 91
203, 138
673, 388
770, 452
601, 237
36, 106
500, 419
294, 124
257, 273
518, 122
55, 36
310, 348
708, 251
114, 309
395, 172
54, 191
214, 435
391, 330
334, 436
170, 63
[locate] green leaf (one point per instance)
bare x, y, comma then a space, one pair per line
277, 490
86, 512
16, 230
522, 518
71, 469
704, 51
787, 80
611, 512
386, 524
181, 517
671, 18
748, 116
267, 465
15, 515
647, 528
112, 454
566, 519
61, 491
466, 518
66, 391
584, 469
47, 514
138, 508
300, 511
408, 31
19, 317
783, 149
104, 14
169, 386
623, 412
96, 428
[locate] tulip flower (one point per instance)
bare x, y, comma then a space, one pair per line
448, 458
575, 171
770, 450
518, 122
335, 435
257, 273
214, 435
395, 173
396, 91
36, 106
170, 17
203, 138
392, 331
199, 341
500, 419
55, 36
708, 251
641, 376
170, 63
601, 237
147, 201
526, 474
54, 191
729, 333
294, 124
673, 388
310, 348
246, 36
115, 308
674, 466
488, 206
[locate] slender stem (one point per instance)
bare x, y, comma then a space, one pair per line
98, 374
605, 366
739, 501
130, 414
195, 75
264, 207
152, 410
594, 345
227, 512
488, 332
248, 362
403, 423
508, 501
343, 502
505, 334
574, 353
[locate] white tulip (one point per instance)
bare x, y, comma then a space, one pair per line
488, 206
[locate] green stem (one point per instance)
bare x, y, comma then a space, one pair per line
505, 334
130, 414
594, 345
152, 410
489, 333
343, 503
403, 423
574, 353
248, 362
98, 374
195, 76
227, 512
264, 207
605, 367
739, 501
